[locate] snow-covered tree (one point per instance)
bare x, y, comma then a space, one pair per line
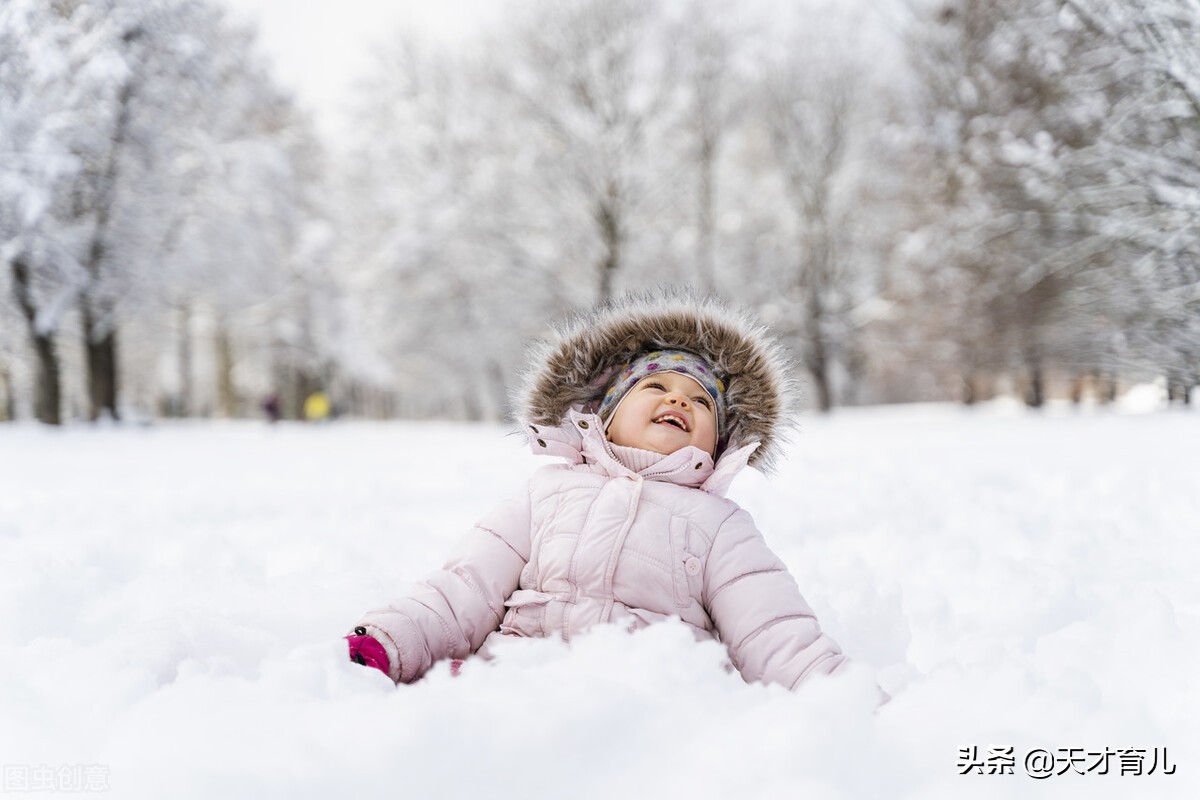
449, 261
595, 147
248, 246
152, 168
590, 82
713, 62
1140, 179
1057, 162
812, 165
44, 72
1007, 255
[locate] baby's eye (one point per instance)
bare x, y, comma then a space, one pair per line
702, 400
656, 385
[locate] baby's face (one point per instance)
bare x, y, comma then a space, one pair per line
664, 412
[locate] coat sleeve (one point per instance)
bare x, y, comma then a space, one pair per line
451, 612
754, 602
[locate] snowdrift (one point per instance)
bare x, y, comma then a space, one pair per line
173, 600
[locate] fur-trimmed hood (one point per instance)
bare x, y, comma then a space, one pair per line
572, 368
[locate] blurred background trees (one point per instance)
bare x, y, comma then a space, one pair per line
927, 199
155, 189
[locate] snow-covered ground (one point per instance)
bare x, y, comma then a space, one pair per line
173, 600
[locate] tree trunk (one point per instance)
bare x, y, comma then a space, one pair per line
102, 376
226, 397
499, 389
102, 349
48, 398
969, 394
7, 411
183, 405
1035, 395
706, 244
302, 385
49, 401
608, 217
818, 366
1178, 390
101, 368
817, 355
472, 409
1109, 394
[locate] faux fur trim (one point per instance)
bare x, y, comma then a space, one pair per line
572, 367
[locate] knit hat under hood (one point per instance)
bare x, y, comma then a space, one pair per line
575, 366
658, 361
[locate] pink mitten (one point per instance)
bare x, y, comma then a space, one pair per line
367, 651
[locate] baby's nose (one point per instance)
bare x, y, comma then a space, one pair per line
681, 400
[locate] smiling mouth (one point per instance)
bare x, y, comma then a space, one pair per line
672, 419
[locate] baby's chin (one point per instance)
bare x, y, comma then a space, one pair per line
665, 442
642, 444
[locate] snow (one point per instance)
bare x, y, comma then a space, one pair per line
174, 597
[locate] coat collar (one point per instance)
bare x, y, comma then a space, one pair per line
580, 439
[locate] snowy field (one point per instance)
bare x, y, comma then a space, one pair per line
173, 600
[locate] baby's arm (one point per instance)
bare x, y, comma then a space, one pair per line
771, 632
450, 613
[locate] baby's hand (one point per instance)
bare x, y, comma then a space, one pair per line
367, 651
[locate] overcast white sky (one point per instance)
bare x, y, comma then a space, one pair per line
319, 47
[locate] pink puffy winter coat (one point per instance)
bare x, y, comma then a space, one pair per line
591, 541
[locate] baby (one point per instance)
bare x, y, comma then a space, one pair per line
655, 404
